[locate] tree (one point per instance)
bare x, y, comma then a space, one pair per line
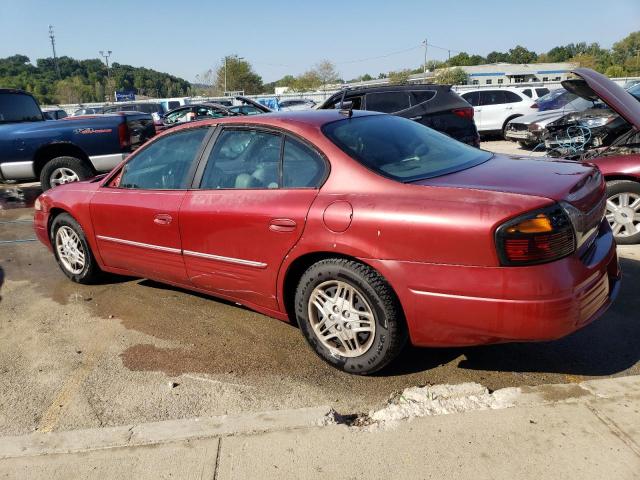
497, 57
400, 77
463, 59
585, 60
519, 54
615, 71
326, 72
239, 76
452, 76
626, 53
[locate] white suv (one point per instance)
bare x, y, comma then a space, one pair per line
495, 107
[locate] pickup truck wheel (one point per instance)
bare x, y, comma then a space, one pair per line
623, 210
72, 251
61, 170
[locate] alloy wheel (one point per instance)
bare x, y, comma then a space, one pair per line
63, 175
70, 250
623, 214
341, 318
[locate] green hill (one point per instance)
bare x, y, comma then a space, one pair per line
84, 81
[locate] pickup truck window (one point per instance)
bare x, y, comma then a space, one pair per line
17, 107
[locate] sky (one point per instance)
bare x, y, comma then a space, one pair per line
187, 37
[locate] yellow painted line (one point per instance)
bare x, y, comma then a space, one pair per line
70, 387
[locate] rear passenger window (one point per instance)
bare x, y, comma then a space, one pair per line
511, 97
302, 167
243, 159
542, 91
527, 92
473, 98
492, 97
421, 96
388, 102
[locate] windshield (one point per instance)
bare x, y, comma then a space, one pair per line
18, 107
401, 149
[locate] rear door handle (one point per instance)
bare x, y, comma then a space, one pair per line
282, 225
416, 118
162, 219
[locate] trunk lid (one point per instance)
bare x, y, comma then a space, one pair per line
580, 184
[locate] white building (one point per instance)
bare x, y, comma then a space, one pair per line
510, 73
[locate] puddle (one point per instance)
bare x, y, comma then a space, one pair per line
18, 196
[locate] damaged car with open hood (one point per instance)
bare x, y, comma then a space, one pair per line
592, 126
608, 136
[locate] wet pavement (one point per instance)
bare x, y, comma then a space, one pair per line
131, 350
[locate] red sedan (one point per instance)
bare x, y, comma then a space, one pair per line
365, 229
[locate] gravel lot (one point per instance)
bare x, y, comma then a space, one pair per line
136, 351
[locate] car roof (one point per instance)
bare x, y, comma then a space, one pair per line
393, 88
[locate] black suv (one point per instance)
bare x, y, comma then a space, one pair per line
436, 106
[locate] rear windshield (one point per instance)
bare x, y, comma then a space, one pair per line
17, 107
401, 149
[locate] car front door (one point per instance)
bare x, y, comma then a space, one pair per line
135, 215
247, 212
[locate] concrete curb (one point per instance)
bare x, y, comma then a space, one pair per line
73, 441
170, 431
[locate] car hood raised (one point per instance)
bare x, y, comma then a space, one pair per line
592, 85
575, 182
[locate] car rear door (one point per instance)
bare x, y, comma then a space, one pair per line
247, 210
493, 109
135, 216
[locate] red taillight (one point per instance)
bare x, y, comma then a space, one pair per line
535, 105
466, 112
537, 237
123, 136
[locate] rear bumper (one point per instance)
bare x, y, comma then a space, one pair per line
452, 305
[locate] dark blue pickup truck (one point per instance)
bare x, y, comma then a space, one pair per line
67, 150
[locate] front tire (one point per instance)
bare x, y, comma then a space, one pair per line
72, 251
623, 210
350, 315
61, 170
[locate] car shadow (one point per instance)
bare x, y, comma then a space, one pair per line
607, 346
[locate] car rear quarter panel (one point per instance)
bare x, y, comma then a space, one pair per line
619, 166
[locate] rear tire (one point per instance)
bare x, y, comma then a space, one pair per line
71, 250
335, 297
623, 210
61, 170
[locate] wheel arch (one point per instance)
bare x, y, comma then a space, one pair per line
504, 125
621, 176
296, 268
58, 149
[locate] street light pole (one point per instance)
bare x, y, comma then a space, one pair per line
53, 47
106, 59
225, 75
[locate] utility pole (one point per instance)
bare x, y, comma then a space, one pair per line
425, 58
225, 75
53, 47
106, 59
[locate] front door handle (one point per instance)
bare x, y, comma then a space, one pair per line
162, 219
282, 225
416, 118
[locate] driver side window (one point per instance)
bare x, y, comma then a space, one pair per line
243, 159
165, 163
